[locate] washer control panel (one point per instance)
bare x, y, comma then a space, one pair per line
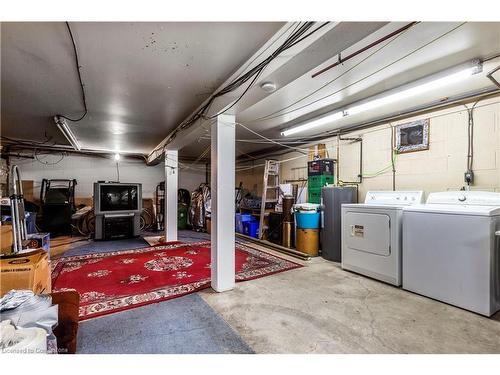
472, 198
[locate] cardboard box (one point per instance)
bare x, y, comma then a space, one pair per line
6, 238
28, 189
27, 271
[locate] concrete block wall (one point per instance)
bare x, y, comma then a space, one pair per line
440, 168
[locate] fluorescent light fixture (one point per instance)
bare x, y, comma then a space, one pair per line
389, 99
64, 128
314, 123
411, 92
117, 157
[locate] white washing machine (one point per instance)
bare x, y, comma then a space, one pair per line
371, 234
450, 251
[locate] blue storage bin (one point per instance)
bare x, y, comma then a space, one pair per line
251, 228
240, 219
308, 220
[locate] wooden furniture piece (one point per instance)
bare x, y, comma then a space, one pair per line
67, 326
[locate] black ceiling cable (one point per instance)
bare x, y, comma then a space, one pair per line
298, 35
261, 70
239, 98
77, 61
231, 87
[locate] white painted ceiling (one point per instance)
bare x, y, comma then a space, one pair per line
141, 79
144, 79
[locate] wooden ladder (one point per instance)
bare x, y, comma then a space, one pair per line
271, 182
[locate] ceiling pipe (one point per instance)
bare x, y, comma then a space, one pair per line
373, 44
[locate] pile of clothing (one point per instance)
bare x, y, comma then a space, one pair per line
27, 323
200, 208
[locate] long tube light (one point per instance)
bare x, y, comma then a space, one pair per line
70, 136
388, 99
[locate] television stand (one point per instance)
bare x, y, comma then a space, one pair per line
117, 226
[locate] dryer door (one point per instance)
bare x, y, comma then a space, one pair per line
370, 233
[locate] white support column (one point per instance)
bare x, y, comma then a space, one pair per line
171, 182
222, 193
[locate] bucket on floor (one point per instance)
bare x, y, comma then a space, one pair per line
307, 215
251, 228
307, 241
307, 220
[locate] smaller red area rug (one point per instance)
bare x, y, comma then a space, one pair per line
122, 280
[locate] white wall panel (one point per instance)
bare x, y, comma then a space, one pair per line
89, 169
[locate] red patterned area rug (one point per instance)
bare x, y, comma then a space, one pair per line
122, 280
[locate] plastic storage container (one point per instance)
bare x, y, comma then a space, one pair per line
240, 219
307, 216
318, 181
251, 228
314, 195
320, 167
307, 220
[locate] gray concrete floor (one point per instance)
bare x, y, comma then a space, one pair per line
322, 309
184, 325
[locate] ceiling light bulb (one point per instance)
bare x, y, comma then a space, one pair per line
117, 157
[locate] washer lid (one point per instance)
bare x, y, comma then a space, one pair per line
461, 202
394, 198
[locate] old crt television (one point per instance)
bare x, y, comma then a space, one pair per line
116, 198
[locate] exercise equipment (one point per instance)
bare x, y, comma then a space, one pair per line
57, 197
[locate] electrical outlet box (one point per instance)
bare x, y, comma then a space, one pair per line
469, 177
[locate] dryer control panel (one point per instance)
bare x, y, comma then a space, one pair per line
394, 197
472, 198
